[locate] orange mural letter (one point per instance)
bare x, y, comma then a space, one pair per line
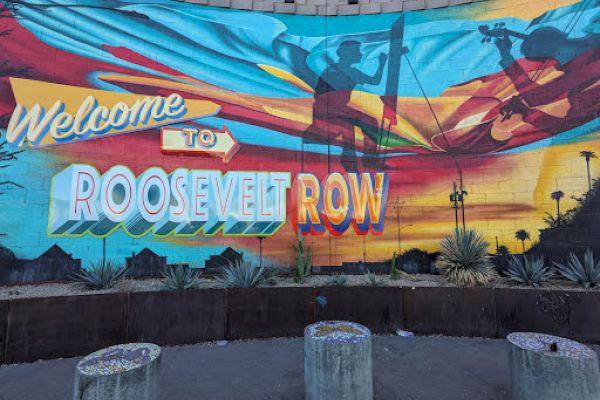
307, 202
336, 213
364, 196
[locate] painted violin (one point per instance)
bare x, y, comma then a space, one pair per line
498, 31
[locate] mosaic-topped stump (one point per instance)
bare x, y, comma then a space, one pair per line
122, 372
337, 361
552, 368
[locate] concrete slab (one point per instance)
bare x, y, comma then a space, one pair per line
420, 368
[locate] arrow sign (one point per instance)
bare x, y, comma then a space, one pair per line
200, 141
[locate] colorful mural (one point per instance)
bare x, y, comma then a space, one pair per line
187, 129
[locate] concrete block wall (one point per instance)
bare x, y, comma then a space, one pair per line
264, 78
331, 7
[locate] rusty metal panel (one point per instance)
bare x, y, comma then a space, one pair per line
269, 312
378, 308
177, 317
53, 327
450, 311
4, 306
535, 310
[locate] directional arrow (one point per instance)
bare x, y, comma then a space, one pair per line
227, 144
199, 141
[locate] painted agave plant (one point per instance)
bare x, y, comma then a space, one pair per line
528, 270
464, 259
240, 274
587, 273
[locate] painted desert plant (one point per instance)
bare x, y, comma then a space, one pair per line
337, 280
588, 155
587, 273
464, 259
371, 279
179, 277
100, 275
528, 270
394, 272
240, 274
411, 267
303, 261
522, 235
416, 261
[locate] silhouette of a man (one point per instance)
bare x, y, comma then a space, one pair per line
578, 59
332, 95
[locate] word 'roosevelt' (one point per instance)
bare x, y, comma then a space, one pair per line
91, 118
185, 202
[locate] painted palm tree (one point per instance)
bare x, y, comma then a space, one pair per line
522, 235
556, 196
588, 155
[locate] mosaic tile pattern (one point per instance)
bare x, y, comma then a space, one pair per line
118, 359
541, 343
338, 332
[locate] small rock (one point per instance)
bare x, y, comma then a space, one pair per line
402, 333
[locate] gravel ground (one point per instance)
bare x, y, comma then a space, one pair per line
144, 285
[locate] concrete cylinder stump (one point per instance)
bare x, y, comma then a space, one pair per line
122, 372
337, 361
552, 368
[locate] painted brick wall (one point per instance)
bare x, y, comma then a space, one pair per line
332, 7
502, 93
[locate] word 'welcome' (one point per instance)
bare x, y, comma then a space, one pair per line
91, 118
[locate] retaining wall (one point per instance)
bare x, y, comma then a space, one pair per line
45, 328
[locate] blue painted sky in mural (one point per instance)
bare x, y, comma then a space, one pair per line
197, 41
224, 46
